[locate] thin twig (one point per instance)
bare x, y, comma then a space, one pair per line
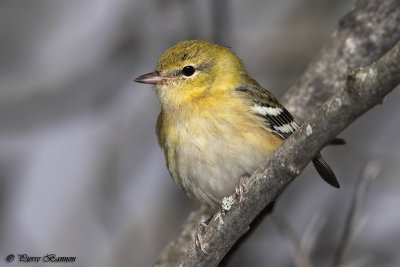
300, 256
369, 173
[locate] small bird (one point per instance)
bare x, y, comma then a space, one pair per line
217, 124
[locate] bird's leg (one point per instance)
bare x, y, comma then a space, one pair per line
199, 233
241, 188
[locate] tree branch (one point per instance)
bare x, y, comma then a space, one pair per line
364, 89
176, 248
363, 35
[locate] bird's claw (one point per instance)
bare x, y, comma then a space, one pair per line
198, 240
240, 188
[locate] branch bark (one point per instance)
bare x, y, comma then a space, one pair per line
363, 35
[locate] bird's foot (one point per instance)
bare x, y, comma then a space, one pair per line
198, 240
240, 189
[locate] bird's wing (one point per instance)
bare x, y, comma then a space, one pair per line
277, 119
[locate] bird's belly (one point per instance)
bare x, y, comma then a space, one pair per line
208, 167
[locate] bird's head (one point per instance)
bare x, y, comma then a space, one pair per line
194, 69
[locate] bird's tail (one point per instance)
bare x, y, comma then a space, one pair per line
324, 170
337, 141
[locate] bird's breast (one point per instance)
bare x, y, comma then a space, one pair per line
207, 155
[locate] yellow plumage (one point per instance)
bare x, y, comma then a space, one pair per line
216, 124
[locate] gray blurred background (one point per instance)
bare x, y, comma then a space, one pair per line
81, 173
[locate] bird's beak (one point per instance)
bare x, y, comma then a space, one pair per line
151, 78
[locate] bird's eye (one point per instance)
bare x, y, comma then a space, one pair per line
188, 70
